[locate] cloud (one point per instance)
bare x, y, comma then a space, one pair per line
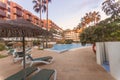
88, 3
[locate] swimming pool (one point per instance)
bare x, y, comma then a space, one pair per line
65, 47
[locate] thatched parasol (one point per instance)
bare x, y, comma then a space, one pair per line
20, 28
10, 27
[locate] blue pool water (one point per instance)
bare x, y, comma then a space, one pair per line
65, 47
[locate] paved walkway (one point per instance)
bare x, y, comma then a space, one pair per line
77, 64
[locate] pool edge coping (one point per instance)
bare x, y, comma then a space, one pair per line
67, 50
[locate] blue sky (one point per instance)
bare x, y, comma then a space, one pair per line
66, 13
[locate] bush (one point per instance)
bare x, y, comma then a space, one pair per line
2, 56
2, 47
36, 42
68, 41
101, 33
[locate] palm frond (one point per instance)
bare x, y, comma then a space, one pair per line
35, 6
34, 1
44, 9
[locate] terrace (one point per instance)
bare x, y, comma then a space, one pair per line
78, 65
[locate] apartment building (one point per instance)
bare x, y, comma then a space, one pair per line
10, 10
71, 34
3, 9
58, 30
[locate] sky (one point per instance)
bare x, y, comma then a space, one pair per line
66, 13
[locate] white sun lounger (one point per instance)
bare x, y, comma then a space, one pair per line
45, 60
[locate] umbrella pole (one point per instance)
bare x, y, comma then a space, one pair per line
23, 41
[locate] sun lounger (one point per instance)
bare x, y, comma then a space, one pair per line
28, 50
46, 60
45, 74
11, 51
19, 56
20, 75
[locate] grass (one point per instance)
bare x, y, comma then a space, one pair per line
2, 56
40, 49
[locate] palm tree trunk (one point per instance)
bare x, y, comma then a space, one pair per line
47, 24
40, 19
41, 24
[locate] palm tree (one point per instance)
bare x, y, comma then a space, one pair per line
91, 17
95, 17
87, 19
39, 7
46, 3
83, 22
79, 26
110, 7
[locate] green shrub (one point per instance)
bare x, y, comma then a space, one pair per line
2, 46
68, 41
101, 33
2, 56
36, 42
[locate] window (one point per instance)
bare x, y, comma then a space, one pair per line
1, 17
8, 9
8, 16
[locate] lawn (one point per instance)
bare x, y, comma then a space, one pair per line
2, 56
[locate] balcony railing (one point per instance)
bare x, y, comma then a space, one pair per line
2, 13
3, 5
17, 6
18, 12
29, 18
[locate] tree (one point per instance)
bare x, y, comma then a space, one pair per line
95, 17
110, 7
46, 3
86, 20
39, 7
101, 32
79, 26
90, 17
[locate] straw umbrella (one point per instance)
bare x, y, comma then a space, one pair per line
20, 28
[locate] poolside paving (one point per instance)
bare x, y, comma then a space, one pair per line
77, 64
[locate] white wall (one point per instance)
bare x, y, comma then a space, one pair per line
106, 51
114, 58
99, 52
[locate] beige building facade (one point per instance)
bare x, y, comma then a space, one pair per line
71, 34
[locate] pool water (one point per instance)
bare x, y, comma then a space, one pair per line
65, 47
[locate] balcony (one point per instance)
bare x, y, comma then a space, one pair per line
29, 18
2, 13
18, 12
17, 6
3, 5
